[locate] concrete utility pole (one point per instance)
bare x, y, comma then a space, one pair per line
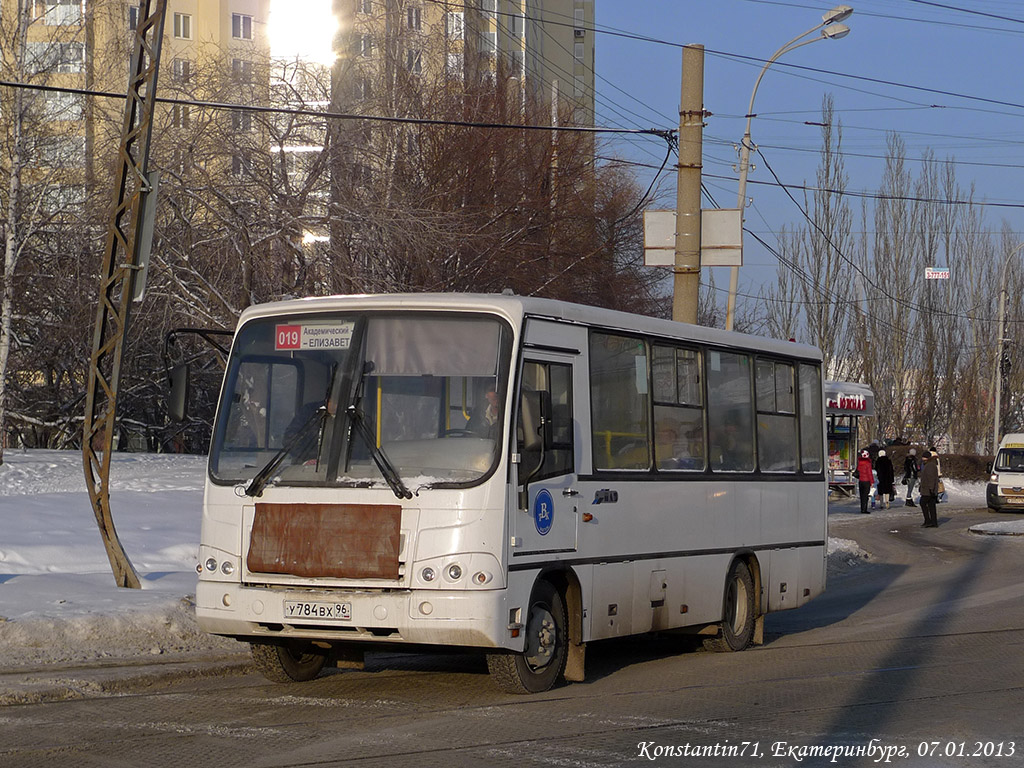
686, 285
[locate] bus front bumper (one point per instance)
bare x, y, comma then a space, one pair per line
477, 618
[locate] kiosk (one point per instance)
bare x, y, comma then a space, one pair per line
845, 403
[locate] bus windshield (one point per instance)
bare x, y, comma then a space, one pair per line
1010, 460
330, 400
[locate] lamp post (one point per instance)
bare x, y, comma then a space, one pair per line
996, 372
831, 29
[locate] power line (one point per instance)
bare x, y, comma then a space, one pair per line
219, 105
870, 195
968, 10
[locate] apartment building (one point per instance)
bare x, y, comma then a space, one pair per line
543, 48
86, 44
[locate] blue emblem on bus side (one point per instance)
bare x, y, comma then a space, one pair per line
543, 512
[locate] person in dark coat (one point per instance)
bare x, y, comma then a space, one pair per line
864, 480
886, 479
929, 490
911, 468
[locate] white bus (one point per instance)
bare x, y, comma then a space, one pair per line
515, 475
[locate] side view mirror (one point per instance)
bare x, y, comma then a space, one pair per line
177, 401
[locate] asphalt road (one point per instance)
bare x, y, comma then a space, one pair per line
917, 649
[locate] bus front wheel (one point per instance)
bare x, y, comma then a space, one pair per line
739, 611
287, 663
542, 662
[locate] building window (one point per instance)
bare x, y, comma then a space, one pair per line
180, 116
239, 165
181, 71
241, 120
62, 106
55, 57
60, 12
413, 19
241, 26
578, 87
413, 61
363, 89
183, 26
517, 25
489, 8
516, 63
577, 50
578, 17
489, 43
241, 70
133, 17
57, 151
57, 198
363, 45
454, 65
454, 25
365, 6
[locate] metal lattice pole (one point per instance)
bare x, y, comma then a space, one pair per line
120, 266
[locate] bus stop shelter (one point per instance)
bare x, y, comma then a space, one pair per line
846, 402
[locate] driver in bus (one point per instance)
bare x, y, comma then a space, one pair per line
484, 420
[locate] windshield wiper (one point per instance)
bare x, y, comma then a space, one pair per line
358, 421
300, 439
302, 435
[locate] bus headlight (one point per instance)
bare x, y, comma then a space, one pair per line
454, 571
227, 568
428, 574
211, 564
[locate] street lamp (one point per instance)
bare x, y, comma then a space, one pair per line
996, 373
831, 29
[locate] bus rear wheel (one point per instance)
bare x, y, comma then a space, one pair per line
542, 662
738, 611
287, 663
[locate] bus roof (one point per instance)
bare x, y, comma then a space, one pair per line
516, 307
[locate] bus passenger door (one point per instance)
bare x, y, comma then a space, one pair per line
546, 517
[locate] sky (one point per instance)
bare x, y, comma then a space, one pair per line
895, 51
58, 599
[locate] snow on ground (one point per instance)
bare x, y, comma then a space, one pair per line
58, 601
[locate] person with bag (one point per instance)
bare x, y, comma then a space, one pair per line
938, 464
864, 479
886, 479
911, 469
929, 490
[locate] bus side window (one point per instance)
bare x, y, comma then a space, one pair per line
619, 394
777, 443
811, 459
730, 411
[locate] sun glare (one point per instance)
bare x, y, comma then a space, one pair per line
303, 29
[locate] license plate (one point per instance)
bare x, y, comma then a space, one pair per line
317, 610
1015, 499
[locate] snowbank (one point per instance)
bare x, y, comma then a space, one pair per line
58, 600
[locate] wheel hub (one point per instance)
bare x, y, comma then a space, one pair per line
541, 638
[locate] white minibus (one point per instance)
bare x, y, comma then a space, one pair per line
513, 475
